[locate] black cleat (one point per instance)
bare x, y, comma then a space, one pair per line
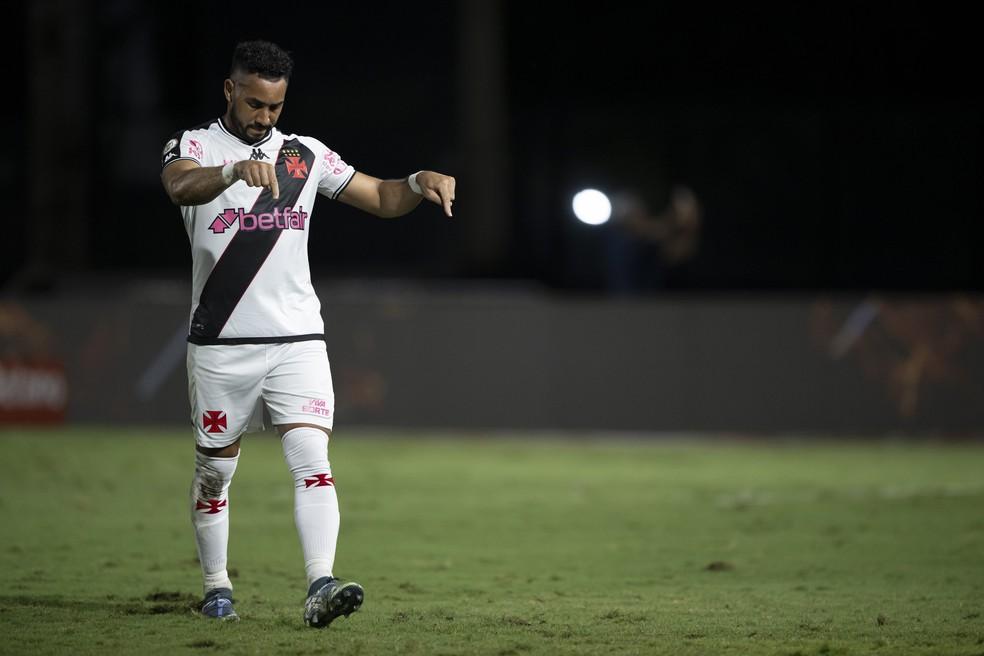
218, 605
329, 598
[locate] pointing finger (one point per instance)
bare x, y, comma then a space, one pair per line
266, 177
274, 185
446, 201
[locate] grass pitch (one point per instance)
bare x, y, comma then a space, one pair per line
505, 545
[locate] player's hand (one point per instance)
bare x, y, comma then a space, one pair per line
257, 174
437, 188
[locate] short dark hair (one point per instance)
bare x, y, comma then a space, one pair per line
263, 58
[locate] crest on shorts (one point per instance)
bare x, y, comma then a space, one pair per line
214, 421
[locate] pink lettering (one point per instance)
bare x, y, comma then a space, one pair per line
280, 219
334, 163
324, 412
247, 222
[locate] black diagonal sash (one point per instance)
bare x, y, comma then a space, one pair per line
248, 250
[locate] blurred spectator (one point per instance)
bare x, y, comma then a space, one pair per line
33, 386
919, 350
21, 336
645, 248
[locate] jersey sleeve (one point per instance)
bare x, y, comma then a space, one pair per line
183, 144
334, 173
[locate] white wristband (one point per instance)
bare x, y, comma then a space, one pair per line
412, 181
227, 173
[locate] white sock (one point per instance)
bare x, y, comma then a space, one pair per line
315, 502
210, 516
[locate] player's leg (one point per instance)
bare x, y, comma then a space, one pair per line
315, 501
317, 518
214, 469
299, 395
219, 382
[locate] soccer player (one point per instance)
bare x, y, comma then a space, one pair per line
256, 336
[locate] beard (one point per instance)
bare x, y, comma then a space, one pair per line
249, 132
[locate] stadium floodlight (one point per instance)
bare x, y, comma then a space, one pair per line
592, 207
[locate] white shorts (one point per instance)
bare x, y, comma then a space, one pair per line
228, 386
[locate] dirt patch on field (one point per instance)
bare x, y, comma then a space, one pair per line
165, 602
719, 566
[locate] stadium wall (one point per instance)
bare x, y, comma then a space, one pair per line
474, 359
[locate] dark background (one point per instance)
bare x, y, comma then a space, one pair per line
832, 148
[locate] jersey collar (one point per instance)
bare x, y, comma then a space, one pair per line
222, 126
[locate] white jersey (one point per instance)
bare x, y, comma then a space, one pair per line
251, 281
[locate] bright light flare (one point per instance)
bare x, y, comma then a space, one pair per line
592, 207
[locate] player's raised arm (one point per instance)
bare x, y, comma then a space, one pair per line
390, 198
187, 183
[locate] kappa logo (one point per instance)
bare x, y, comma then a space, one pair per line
214, 421
258, 154
286, 218
211, 506
171, 150
319, 480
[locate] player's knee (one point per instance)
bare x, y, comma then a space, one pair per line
210, 487
306, 451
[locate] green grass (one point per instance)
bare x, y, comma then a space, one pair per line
502, 545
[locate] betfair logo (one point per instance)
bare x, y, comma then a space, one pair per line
287, 218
